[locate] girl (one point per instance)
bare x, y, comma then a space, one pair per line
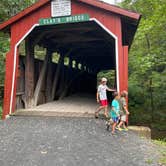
114, 112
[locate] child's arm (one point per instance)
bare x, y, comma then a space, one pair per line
111, 90
125, 108
113, 109
97, 97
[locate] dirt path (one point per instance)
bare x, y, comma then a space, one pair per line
36, 141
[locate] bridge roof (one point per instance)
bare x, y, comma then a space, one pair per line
95, 3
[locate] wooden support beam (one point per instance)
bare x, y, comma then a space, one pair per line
72, 74
70, 70
29, 73
41, 79
49, 77
64, 78
39, 37
56, 77
64, 30
76, 39
61, 79
67, 86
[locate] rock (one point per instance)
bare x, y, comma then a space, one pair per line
141, 131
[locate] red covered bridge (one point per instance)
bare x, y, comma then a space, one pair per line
91, 34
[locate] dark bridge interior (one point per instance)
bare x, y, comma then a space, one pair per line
84, 48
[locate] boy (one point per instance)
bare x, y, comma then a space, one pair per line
123, 111
114, 112
101, 97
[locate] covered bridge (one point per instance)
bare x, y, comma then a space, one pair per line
92, 36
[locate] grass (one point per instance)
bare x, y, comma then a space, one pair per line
161, 143
149, 161
0, 111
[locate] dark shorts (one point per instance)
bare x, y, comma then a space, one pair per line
103, 102
115, 119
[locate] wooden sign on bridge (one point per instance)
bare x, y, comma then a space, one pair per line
64, 20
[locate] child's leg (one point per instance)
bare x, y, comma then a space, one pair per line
106, 111
120, 124
124, 126
113, 127
98, 110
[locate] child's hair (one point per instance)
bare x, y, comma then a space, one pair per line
124, 93
115, 94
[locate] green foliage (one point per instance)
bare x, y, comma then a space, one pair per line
10, 8
110, 75
0, 111
149, 161
147, 58
4, 46
161, 143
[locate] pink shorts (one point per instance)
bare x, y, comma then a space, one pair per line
103, 102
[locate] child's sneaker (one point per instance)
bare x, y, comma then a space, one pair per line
96, 115
125, 129
113, 133
118, 128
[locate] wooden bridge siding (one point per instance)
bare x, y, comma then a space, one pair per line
84, 80
18, 30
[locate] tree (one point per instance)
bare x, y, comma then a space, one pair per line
147, 58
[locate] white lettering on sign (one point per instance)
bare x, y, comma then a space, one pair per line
60, 8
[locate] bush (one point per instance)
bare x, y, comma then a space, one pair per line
0, 112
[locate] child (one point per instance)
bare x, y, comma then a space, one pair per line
101, 97
114, 112
123, 111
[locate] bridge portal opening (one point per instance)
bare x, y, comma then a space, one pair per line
58, 61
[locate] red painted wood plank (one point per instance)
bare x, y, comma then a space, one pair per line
125, 67
100, 15
18, 30
118, 27
7, 89
22, 26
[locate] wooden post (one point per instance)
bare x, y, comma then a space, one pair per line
29, 73
57, 73
61, 79
49, 77
67, 86
70, 75
56, 77
41, 78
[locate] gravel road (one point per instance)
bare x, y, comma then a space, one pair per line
52, 141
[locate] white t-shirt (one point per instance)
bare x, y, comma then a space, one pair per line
102, 91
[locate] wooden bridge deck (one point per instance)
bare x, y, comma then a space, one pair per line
73, 106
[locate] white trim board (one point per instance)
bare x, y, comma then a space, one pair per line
31, 29
116, 49
14, 66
